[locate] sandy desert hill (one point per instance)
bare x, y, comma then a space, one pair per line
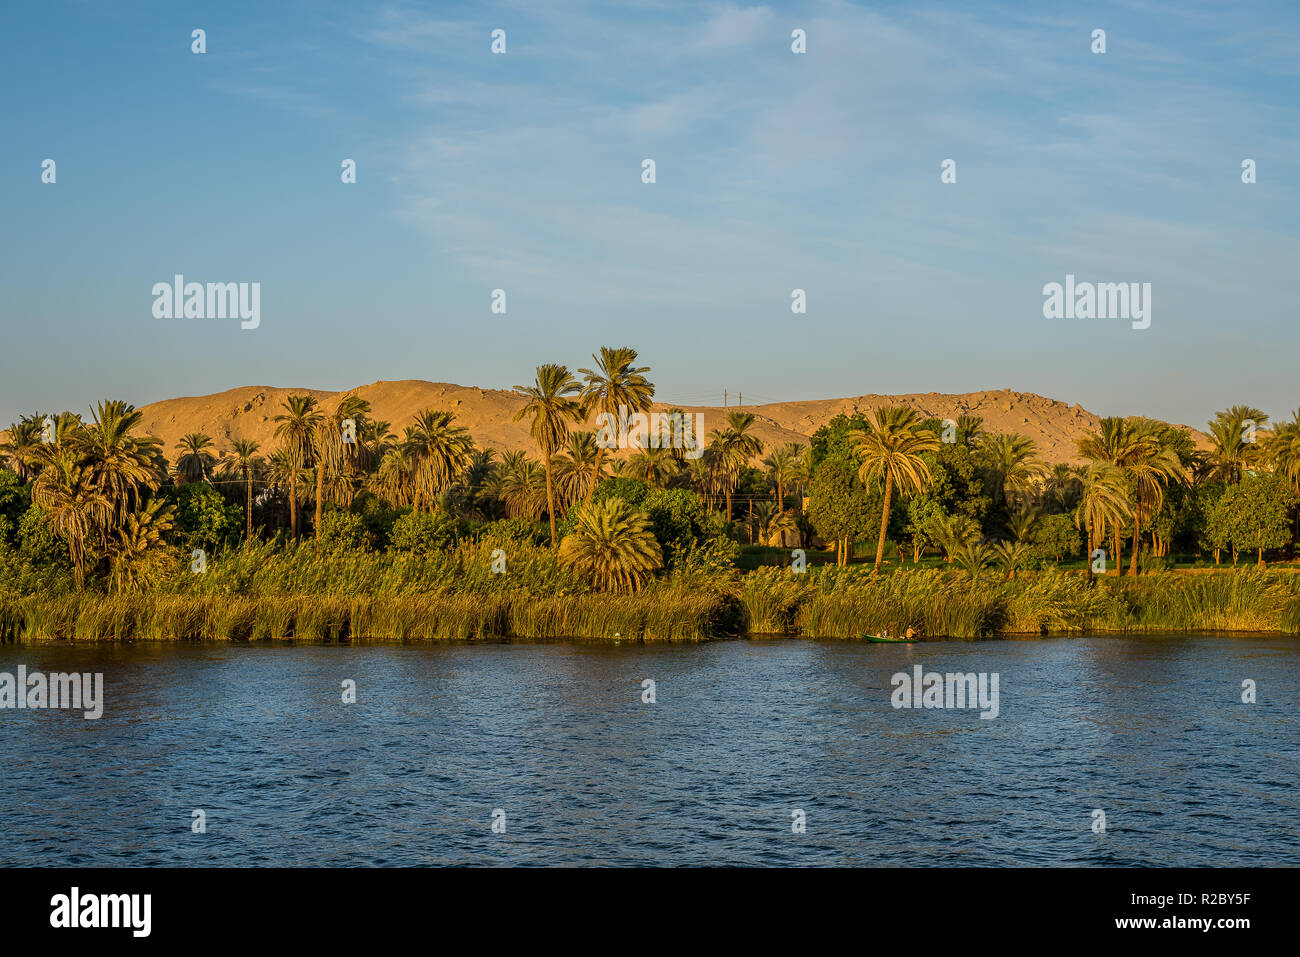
249, 413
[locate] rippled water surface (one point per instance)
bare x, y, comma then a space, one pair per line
1150, 730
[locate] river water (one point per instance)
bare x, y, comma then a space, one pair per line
744, 740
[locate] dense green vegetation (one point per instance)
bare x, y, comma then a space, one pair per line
346, 530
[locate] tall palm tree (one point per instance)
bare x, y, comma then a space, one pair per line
440, 450
731, 449
520, 485
195, 460
654, 466
1011, 462
1103, 504
612, 546
578, 471
20, 448
550, 406
782, 466
615, 383
76, 508
1284, 450
1230, 449
246, 461
298, 424
1150, 469
891, 449
333, 455
124, 467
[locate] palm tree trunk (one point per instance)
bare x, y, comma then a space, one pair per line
550, 495
884, 519
595, 474
728, 503
780, 497
248, 504
293, 505
1137, 538
320, 496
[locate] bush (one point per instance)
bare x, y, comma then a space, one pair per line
423, 533
341, 530
203, 519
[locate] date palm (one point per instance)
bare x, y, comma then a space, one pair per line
1103, 504
578, 471
611, 546
615, 383
782, 467
1011, 462
730, 450
654, 466
21, 446
246, 462
297, 425
1150, 469
124, 467
891, 450
194, 459
440, 450
334, 456
66, 490
519, 484
550, 407
1284, 450
139, 535
1232, 442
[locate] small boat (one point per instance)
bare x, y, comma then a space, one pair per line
882, 640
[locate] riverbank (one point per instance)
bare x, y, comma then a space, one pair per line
824, 603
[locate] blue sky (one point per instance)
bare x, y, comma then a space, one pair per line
775, 171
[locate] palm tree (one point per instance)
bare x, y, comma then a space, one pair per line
783, 465
1284, 450
520, 485
1021, 523
970, 428
952, 532
333, 455
1135, 447
140, 534
194, 461
123, 466
440, 450
76, 508
1010, 460
730, 450
394, 480
297, 425
246, 461
1012, 556
22, 446
1103, 504
550, 405
612, 546
614, 383
1232, 448
654, 466
1063, 487
974, 557
765, 522
891, 450
578, 471
1150, 469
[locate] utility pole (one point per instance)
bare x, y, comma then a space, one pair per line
724, 398
740, 399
